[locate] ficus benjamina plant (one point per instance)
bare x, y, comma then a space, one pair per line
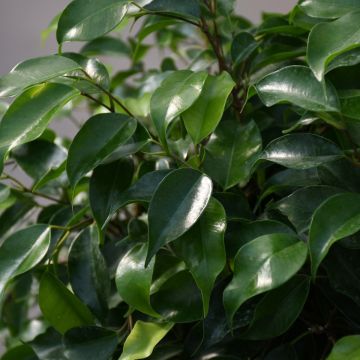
208, 208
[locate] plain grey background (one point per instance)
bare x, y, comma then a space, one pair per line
21, 23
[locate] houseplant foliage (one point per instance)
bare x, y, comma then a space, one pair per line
207, 208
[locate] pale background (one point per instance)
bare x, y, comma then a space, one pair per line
21, 22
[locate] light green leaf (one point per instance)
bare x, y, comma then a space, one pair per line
261, 265
133, 279
346, 348
298, 85
176, 205
35, 71
143, 338
100, 136
175, 95
84, 20
22, 251
203, 116
335, 219
29, 115
203, 250
301, 151
329, 9
231, 151
88, 273
344, 34
60, 307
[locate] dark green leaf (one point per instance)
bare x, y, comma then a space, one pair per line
29, 115
35, 71
346, 348
60, 307
301, 151
277, 311
203, 250
21, 352
187, 8
176, 205
96, 141
22, 251
203, 116
106, 45
242, 47
261, 265
175, 95
335, 219
329, 8
88, 274
143, 338
344, 34
84, 20
297, 84
108, 183
230, 153
90, 343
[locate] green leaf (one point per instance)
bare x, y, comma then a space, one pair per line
230, 152
346, 348
345, 36
203, 116
243, 45
29, 115
143, 338
38, 157
176, 205
298, 85
300, 205
35, 71
350, 103
100, 136
133, 279
261, 265
90, 343
21, 252
301, 151
203, 250
278, 310
140, 192
88, 274
84, 20
20, 352
335, 219
175, 95
106, 45
329, 9
186, 8
108, 183
60, 307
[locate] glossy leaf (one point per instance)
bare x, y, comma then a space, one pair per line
35, 71
301, 151
175, 95
88, 274
90, 343
177, 203
186, 8
60, 307
278, 310
84, 20
203, 250
96, 141
297, 84
203, 116
242, 47
261, 265
133, 279
344, 34
333, 220
106, 45
107, 185
230, 153
143, 338
22, 251
328, 8
29, 115
347, 347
